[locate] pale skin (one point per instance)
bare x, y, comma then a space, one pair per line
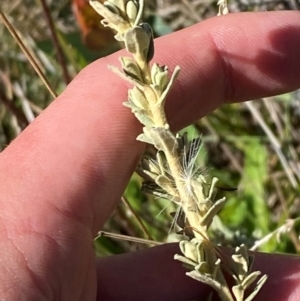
62, 177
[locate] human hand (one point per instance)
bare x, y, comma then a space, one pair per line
61, 178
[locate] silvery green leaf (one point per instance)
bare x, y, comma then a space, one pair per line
114, 9
121, 4
250, 279
166, 184
162, 138
190, 250
184, 260
258, 287
152, 175
162, 188
138, 98
152, 166
140, 114
201, 178
216, 207
159, 76
161, 161
242, 249
145, 137
205, 278
212, 186
129, 104
148, 30
137, 42
111, 19
193, 250
223, 7
152, 188
143, 117
131, 68
132, 11
163, 80
240, 259
118, 3
168, 87
203, 268
127, 77
163, 181
238, 292
216, 268
154, 71
140, 171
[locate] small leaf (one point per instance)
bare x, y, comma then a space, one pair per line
111, 19
152, 175
238, 292
250, 279
205, 279
152, 188
168, 87
190, 251
152, 166
139, 113
114, 9
161, 161
203, 268
148, 30
144, 138
159, 77
127, 77
163, 181
143, 117
240, 259
137, 42
162, 138
130, 68
184, 260
131, 11
208, 217
258, 287
216, 268
118, 3
138, 98
130, 104
166, 184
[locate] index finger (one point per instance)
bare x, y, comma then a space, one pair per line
231, 58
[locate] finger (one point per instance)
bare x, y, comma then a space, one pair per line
84, 143
232, 58
153, 275
149, 275
61, 178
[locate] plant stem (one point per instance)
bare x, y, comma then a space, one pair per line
59, 52
27, 54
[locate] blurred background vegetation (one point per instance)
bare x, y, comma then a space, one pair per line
256, 150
